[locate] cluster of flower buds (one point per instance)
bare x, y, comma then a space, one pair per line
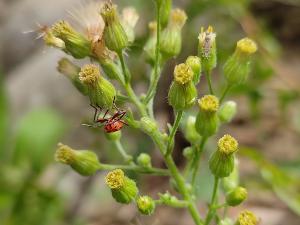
145, 205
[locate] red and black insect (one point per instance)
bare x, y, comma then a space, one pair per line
111, 124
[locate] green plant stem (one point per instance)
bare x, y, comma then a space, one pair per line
127, 158
175, 126
196, 163
129, 89
154, 80
225, 92
213, 202
135, 168
208, 78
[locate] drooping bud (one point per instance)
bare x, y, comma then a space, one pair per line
145, 205
207, 121
190, 131
114, 34
195, 63
76, 44
246, 217
207, 49
236, 196
150, 45
221, 162
182, 93
170, 44
71, 71
144, 160
227, 111
101, 92
237, 67
128, 21
84, 162
123, 189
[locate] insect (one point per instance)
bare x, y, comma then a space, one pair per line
111, 124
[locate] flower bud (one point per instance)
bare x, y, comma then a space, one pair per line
84, 162
150, 45
221, 162
76, 44
190, 131
111, 69
164, 13
182, 93
195, 63
246, 217
227, 111
114, 34
144, 160
123, 189
188, 152
170, 45
207, 121
145, 205
232, 181
236, 196
148, 125
237, 67
113, 136
207, 49
100, 91
128, 21
71, 71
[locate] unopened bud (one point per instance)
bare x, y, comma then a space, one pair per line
232, 181
76, 44
101, 92
145, 205
190, 131
84, 162
227, 111
123, 189
144, 160
114, 34
195, 63
221, 162
71, 71
246, 217
207, 122
236, 196
150, 46
207, 49
164, 13
148, 125
237, 67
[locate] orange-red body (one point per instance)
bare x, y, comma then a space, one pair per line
113, 126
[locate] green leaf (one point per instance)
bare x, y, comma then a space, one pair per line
39, 132
285, 186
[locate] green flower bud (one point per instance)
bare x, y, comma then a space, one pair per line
76, 44
150, 45
164, 13
207, 49
221, 162
114, 34
123, 189
236, 196
226, 221
113, 136
144, 160
237, 67
188, 152
246, 217
232, 181
190, 131
195, 63
170, 45
112, 70
182, 93
71, 71
227, 111
148, 125
207, 121
128, 21
100, 91
84, 162
145, 205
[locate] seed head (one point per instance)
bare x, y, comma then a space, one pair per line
227, 144
209, 103
247, 46
183, 73
89, 74
115, 179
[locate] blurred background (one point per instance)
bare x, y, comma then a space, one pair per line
39, 108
